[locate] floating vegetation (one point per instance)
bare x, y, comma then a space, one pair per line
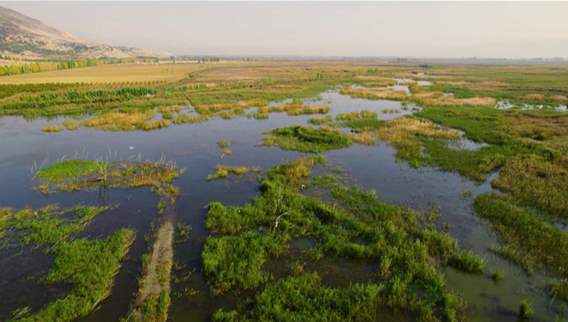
356, 225
222, 171
307, 139
529, 241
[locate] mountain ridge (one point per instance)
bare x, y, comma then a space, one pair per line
25, 36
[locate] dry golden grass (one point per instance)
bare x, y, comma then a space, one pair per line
374, 93
403, 128
300, 109
120, 121
365, 137
439, 99
109, 73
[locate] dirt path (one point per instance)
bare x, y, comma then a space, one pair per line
153, 298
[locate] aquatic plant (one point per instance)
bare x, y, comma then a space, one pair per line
307, 139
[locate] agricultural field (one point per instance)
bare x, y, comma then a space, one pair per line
284, 191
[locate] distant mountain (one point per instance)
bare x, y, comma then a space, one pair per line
24, 36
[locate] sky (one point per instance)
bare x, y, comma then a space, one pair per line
403, 29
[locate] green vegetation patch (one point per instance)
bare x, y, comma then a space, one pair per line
46, 226
355, 225
307, 139
529, 240
304, 298
536, 182
91, 266
68, 170
558, 289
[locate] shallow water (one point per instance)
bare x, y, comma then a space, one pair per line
193, 146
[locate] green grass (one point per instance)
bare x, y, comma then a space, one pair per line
307, 139
354, 225
90, 266
529, 240
304, 298
534, 181
68, 170
46, 226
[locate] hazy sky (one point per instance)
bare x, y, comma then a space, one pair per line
414, 29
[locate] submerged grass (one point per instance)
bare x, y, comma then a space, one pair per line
355, 225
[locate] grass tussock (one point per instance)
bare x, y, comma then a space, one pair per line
307, 139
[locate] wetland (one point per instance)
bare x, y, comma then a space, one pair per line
284, 191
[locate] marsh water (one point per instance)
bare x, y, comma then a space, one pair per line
24, 148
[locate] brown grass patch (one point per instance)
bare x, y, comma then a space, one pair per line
439, 99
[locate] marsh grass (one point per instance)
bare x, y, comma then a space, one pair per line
355, 225
222, 171
298, 108
307, 139
534, 181
380, 93
90, 266
529, 241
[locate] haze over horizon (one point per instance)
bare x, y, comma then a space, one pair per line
404, 29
